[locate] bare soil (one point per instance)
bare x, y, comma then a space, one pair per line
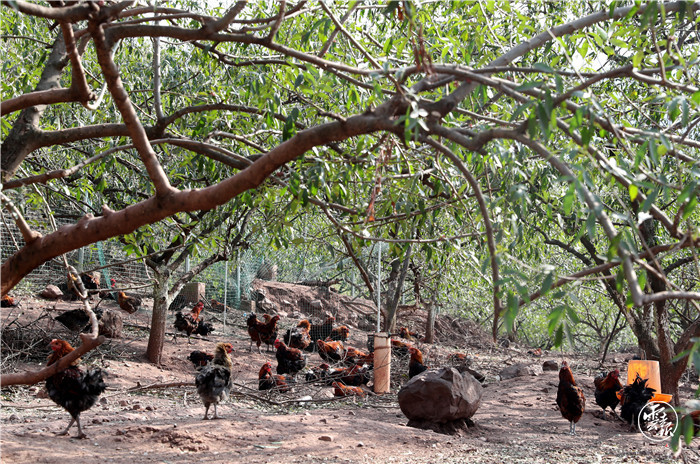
136, 421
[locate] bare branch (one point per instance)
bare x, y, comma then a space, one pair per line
30, 378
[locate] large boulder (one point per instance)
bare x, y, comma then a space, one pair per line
442, 400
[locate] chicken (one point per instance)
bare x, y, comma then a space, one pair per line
76, 320
214, 380
129, 303
352, 356
319, 374
399, 348
606, 388
74, 389
268, 381
634, 397
107, 294
320, 332
415, 364
330, 351
289, 360
355, 375
408, 335
298, 337
570, 398
189, 323
340, 333
262, 332
90, 281
7, 302
204, 328
200, 358
343, 390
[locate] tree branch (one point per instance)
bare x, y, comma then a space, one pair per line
30, 378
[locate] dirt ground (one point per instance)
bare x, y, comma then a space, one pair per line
517, 422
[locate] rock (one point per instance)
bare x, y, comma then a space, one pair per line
516, 370
440, 396
550, 366
111, 324
51, 292
42, 393
316, 304
325, 438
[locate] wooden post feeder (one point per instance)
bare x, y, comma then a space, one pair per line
382, 363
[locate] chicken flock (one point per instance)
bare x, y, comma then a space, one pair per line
345, 369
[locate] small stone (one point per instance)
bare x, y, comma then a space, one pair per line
325, 438
360, 444
13, 417
351, 413
550, 366
136, 407
97, 420
150, 408
123, 403
103, 400
324, 421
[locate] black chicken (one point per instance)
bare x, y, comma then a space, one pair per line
200, 358
76, 320
320, 332
634, 397
214, 380
74, 389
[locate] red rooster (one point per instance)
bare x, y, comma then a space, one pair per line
330, 351
415, 364
267, 380
340, 333
129, 303
289, 360
193, 323
74, 389
570, 398
262, 332
299, 337
606, 388
343, 390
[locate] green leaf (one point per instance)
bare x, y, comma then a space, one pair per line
547, 283
633, 191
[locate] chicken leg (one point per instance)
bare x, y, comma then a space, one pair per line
70, 424
572, 428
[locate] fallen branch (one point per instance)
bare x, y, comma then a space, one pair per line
175, 334
30, 378
155, 386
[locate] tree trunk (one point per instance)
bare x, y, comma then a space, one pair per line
397, 279
430, 322
161, 302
